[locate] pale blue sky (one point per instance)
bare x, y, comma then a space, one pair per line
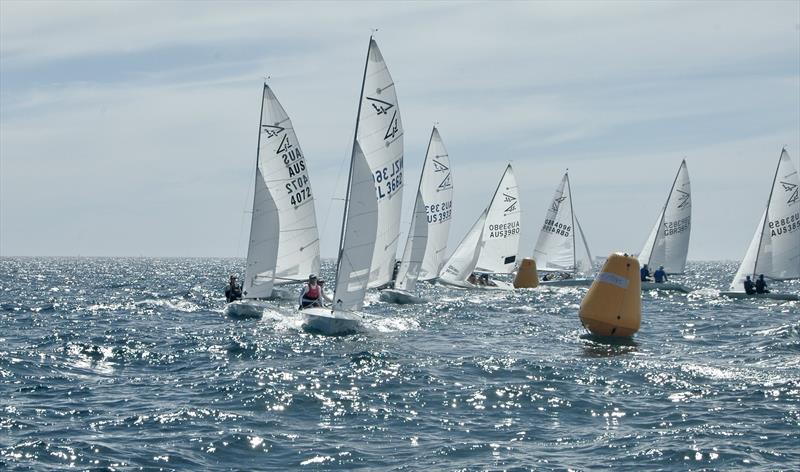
129, 128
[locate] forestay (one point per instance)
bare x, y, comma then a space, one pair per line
668, 243
775, 248
380, 135
561, 245
430, 224
284, 242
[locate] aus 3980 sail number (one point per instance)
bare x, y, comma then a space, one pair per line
389, 179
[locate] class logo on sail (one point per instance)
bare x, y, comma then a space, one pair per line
791, 189
557, 204
284, 146
510, 199
447, 183
381, 107
394, 127
272, 130
684, 199
439, 167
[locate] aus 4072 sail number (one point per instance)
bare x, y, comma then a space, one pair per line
389, 179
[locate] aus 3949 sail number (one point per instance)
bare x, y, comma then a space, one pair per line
439, 212
389, 179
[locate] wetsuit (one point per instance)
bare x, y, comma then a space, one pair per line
660, 276
644, 274
233, 293
761, 286
748, 287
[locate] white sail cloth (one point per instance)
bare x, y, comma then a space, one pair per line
374, 195
284, 242
668, 243
492, 244
775, 248
561, 245
430, 224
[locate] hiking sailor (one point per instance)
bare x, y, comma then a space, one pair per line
761, 284
748, 286
311, 295
660, 275
233, 291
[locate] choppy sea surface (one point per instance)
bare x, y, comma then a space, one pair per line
119, 364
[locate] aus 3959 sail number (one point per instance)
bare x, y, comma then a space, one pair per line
389, 179
439, 212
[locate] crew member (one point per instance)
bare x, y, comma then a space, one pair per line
644, 273
660, 275
749, 288
761, 284
233, 291
311, 295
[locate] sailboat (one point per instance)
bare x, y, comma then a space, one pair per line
371, 223
430, 225
492, 244
668, 242
775, 248
284, 243
561, 248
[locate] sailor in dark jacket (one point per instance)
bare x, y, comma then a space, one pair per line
761, 284
233, 291
748, 286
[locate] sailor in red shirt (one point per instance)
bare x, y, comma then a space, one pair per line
312, 295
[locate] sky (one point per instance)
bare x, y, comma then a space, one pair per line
130, 128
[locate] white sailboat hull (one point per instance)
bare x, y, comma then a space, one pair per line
770, 296
401, 297
499, 285
245, 309
331, 323
666, 286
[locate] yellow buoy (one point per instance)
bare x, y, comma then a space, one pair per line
526, 277
613, 305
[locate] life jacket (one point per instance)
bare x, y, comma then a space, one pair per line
312, 293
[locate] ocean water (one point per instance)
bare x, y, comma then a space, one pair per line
120, 364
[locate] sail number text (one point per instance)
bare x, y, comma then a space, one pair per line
389, 179
439, 212
297, 187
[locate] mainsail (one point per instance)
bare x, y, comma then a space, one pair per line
380, 134
492, 244
561, 245
374, 189
284, 242
668, 243
775, 248
430, 223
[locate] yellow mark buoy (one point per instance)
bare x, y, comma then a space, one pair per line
613, 305
526, 277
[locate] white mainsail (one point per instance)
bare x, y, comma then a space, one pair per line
775, 248
284, 242
430, 224
371, 223
492, 244
668, 243
380, 135
561, 245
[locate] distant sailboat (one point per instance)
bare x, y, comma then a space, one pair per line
430, 225
562, 247
668, 243
284, 243
371, 223
492, 244
775, 248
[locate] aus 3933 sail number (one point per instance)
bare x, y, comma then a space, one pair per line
389, 179
439, 212
298, 189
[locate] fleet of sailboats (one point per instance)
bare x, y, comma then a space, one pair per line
283, 246
561, 247
668, 243
774, 250
492, 244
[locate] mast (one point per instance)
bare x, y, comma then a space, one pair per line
766, 212
572, 216
350, 172
255, 181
